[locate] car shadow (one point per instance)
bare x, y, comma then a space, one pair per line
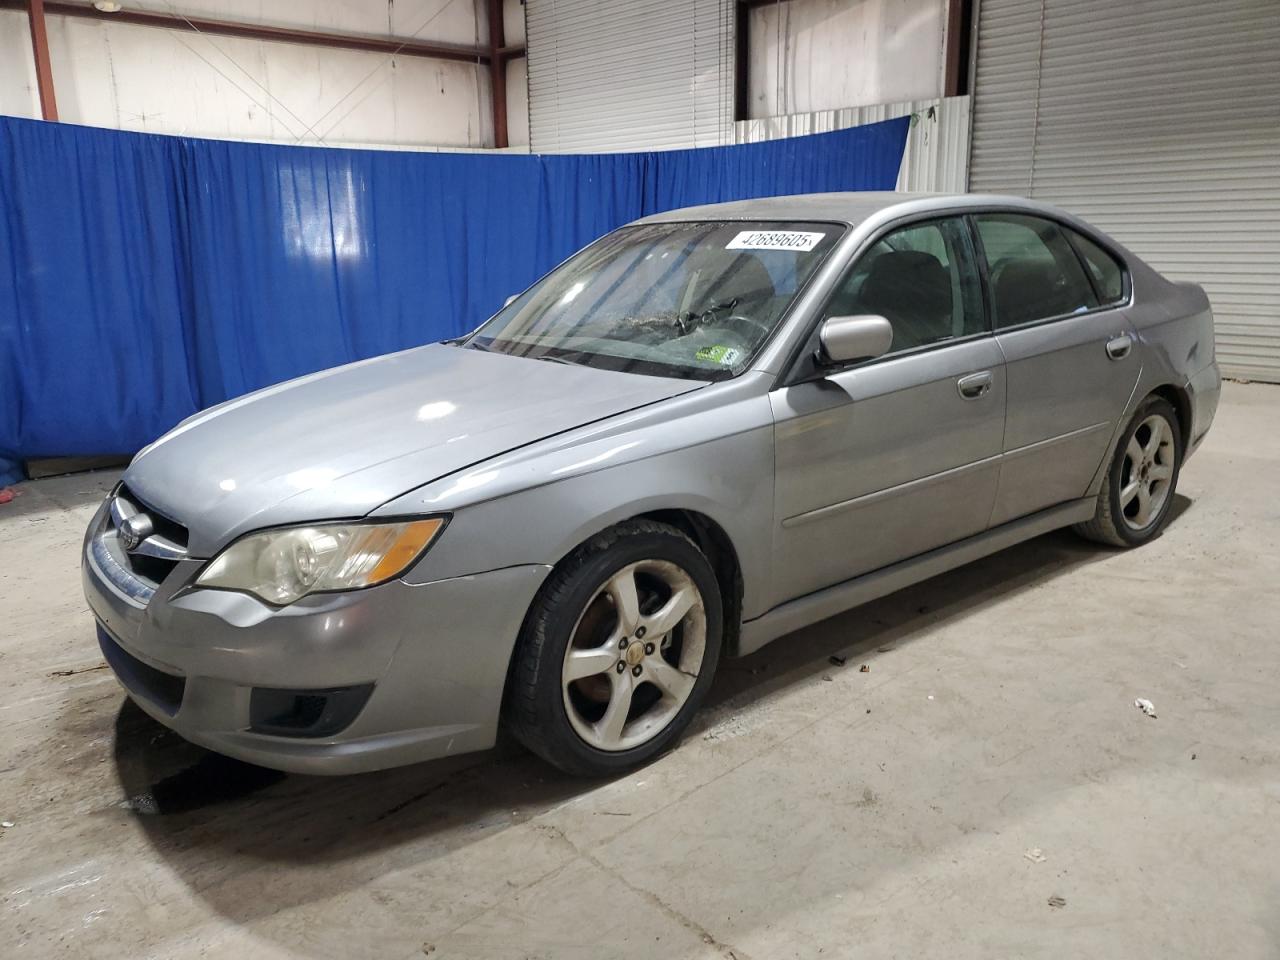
897, 619
198, 809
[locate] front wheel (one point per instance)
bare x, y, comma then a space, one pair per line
617, 652
1137, 492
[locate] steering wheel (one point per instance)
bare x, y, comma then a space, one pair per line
740, 322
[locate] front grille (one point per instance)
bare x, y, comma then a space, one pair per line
165, 544
171, 530
150, 568
165, 690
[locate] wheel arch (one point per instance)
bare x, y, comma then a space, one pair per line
714, 541
709, 536
1180, 400
1176, 396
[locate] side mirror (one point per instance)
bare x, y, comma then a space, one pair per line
850, 339
510, 300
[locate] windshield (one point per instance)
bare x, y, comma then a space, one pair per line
694, 300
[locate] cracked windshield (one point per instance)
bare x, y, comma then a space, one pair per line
693, 300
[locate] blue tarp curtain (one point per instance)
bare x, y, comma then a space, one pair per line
145, 277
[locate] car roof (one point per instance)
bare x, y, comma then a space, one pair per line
850, 208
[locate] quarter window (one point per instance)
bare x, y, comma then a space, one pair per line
1034, 272
922, 279
1108, 275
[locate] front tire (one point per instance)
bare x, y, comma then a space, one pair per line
1137, 492
617, 652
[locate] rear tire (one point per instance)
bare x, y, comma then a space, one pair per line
1137, 491
617, 652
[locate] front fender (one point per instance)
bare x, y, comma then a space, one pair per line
717, 462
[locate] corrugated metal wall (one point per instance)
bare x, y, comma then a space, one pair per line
937, 151
1157, 120
609, 75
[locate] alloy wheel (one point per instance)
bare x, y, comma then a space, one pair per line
634, 655
1146, 477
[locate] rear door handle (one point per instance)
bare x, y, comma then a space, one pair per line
1118, 347
974, 385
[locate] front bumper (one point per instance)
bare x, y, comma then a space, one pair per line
434, 654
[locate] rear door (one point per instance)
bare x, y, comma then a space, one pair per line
1060, 319
897, 455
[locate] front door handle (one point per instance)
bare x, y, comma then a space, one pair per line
974, 385
1118, 347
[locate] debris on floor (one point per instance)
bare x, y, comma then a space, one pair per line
836, 660
7, 494
826, 676
1035, 855
865, 668
74, 671
1057, 901
1146, 706
6, 824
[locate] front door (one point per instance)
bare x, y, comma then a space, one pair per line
898, 455
1070, 353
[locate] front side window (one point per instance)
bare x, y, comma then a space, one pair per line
922, 279
1034, 272
693, 300
1108, 275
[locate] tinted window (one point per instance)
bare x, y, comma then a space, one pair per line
922, 279
1108, 275
1034, 272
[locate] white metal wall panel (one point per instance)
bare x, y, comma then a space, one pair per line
812, 55
937, 149
1157, 120
609, 75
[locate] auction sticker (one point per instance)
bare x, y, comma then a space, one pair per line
775, 240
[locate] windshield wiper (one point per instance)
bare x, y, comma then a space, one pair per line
689, 321
548, 357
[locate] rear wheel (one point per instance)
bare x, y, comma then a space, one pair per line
1137, 492
617, 652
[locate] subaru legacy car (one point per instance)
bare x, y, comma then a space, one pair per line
703, 431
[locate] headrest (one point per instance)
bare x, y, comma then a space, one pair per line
1028, 290
907, 281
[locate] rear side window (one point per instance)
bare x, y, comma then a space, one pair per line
1034, 272
1108, 275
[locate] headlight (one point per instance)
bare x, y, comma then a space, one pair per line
284, 565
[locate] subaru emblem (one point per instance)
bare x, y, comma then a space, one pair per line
134, 530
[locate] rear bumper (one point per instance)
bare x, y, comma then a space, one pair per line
427, 664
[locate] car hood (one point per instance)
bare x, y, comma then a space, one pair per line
340, 443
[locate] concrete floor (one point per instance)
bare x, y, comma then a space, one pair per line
814, 810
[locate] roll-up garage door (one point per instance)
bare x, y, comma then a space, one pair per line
1158, 121
608, 75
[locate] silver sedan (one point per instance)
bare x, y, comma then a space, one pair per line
703, 431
